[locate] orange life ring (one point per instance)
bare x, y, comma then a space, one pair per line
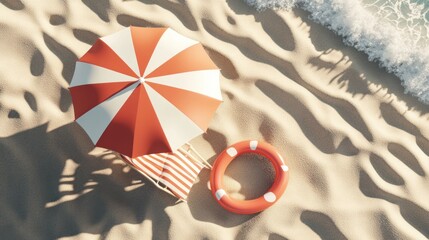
253, 205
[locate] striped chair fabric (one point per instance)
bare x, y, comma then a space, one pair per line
174, 170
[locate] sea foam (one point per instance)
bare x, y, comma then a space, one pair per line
366, 27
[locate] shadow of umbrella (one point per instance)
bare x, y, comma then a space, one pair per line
54, 184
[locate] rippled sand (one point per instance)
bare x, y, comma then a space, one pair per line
357, 147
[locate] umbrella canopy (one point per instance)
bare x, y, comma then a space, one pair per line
145, 90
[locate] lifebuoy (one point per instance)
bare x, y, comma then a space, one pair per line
253, 205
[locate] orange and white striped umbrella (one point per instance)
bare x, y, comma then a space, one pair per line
145, 90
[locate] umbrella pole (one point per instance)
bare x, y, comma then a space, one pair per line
191, 150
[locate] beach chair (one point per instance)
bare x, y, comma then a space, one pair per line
174, 173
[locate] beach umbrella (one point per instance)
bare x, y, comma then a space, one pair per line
144, 90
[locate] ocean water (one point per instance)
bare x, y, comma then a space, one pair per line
394, 33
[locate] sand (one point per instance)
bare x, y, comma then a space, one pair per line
356, 145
